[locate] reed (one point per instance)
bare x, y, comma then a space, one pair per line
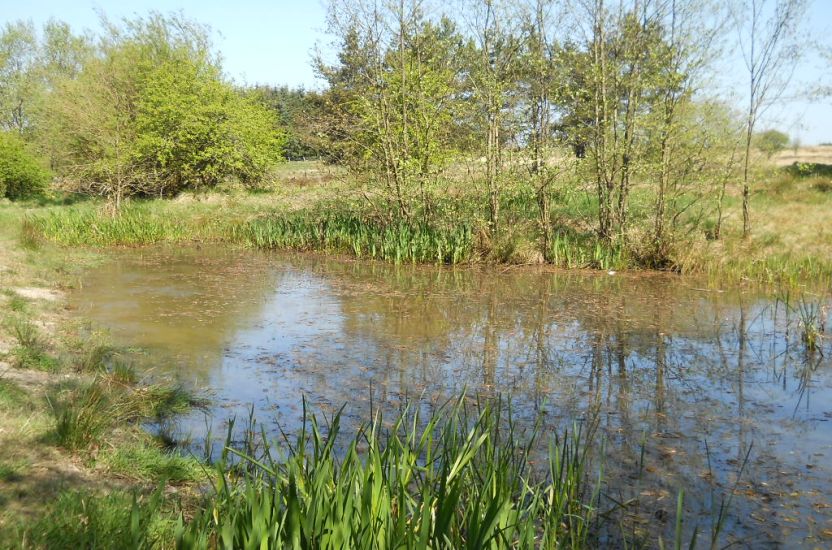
458, 479
397, 242
812, 323
575, 253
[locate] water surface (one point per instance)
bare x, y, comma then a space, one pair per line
694, 375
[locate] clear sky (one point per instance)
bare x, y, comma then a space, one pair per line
271, 42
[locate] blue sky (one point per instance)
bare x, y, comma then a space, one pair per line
271, 42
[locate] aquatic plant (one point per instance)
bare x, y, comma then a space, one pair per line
461, 478
571, 252
397, 242
812, 323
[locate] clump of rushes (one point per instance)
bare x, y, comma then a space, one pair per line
396, 242
454, 480
105, 359
31, 350
84, 415
811, 324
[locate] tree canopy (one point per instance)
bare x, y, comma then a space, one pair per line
142, 109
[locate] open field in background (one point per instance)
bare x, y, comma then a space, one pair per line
819, 154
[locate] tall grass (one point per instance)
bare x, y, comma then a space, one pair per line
84, 415
74, 226
458, 479
572, 252
396, 242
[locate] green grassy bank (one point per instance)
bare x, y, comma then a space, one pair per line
791, 244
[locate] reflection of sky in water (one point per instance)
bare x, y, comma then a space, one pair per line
662, 359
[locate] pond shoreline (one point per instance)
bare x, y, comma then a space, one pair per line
349, 271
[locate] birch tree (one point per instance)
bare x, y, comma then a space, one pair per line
769, 42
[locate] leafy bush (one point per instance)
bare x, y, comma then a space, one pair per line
181, 123
21, 175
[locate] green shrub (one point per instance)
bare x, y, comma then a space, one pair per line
21, 175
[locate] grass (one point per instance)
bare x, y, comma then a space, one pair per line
83, 415
31, 350
11, 395
790, 243
16, 303
147, 461
461, 478
83, 519
12, 470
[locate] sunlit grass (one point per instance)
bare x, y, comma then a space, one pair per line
461, 478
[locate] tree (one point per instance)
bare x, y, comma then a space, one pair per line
21, 173
494, 68
542, 80
768, 36
391, 103
150, 113
686, 132
296, 110
29, 67
18, 78
618, 80
771, 142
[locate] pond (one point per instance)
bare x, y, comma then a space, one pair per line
685, 380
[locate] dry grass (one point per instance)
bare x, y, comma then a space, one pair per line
820, 154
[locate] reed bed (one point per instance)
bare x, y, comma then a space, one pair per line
397, 242
572, 253
465, 477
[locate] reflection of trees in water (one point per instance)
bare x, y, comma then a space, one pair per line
651, 355
654, 357
187, 303
494, 327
